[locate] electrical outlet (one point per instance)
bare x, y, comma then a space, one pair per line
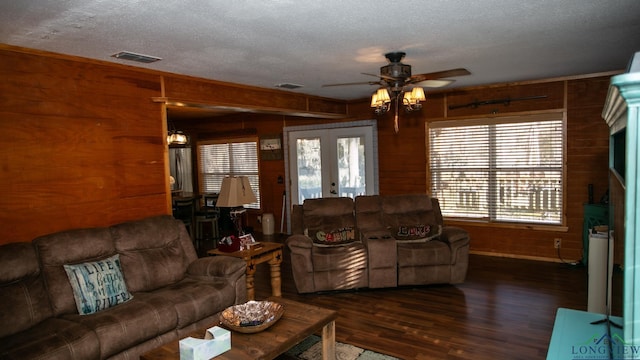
557, 242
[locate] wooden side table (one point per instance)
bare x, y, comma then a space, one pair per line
269, 252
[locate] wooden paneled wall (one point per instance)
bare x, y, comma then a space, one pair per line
85, 141
84, 144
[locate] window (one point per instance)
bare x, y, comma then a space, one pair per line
499, 169
217, 159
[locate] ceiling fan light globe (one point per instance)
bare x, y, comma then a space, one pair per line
180, 138
177, 137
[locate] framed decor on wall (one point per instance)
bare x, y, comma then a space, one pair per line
271, 147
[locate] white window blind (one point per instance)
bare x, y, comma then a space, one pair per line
219, 159
505, 169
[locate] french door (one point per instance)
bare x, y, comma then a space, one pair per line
331, 162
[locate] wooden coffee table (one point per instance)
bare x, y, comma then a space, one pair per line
269, 252
297, 323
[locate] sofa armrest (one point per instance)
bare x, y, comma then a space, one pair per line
458, 241
381, 257
379, 233
300, 247
227, 268
217, 266
455, 236
299, 241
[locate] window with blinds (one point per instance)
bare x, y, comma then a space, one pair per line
500, 169
219, 159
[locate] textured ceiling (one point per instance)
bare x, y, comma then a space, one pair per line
313, 42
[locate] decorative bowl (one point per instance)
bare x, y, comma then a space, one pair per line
252, 316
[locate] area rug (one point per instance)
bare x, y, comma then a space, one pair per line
311, 349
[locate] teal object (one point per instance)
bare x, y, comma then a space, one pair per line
622, 111
575, 337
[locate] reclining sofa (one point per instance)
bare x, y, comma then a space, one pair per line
376, 242
110, 293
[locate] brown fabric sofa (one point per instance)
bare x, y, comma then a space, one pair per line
174, 292
381, 255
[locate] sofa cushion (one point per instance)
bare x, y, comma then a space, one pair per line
24, 301
414, 254
196, 299
408, 209
144, 317
97, 285
52, 338
327, 215
406, 233
352, 256
151, 252
69, 247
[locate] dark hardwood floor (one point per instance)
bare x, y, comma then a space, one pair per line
504, 310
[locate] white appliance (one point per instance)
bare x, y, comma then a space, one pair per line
600, 257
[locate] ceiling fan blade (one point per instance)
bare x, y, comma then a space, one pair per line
354, 83
435, 83
438, 75
381, 76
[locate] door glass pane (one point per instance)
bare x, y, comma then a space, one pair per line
351, 167
309, 169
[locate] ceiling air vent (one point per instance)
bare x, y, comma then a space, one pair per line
127, 55
288, 86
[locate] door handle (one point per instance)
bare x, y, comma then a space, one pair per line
333, 192
333, 188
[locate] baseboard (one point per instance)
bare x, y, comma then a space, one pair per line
524, 257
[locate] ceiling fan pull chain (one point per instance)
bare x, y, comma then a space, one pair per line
395, 121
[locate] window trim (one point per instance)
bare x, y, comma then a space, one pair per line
493, 120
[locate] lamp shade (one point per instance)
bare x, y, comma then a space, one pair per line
235, 191
418, 94
383, 96
374, 100
414, 96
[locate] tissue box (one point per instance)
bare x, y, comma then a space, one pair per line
216, 341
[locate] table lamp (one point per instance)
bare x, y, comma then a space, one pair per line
236, 192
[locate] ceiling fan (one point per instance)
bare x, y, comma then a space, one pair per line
397, 75
396, 78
